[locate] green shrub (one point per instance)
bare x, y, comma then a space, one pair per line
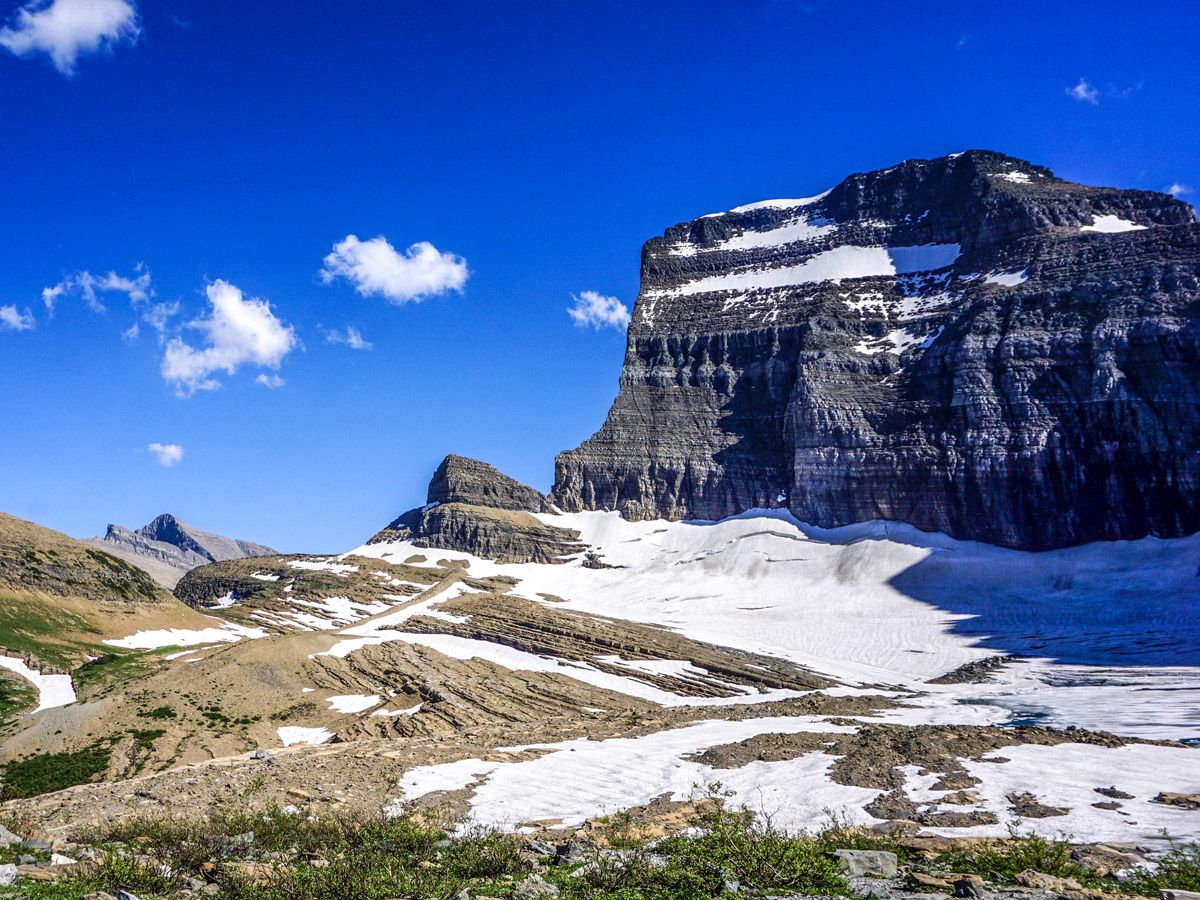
1178, 870
1002, 861
53, 771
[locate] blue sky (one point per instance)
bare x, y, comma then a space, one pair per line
211, 153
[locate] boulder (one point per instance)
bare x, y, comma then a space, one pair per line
860, 863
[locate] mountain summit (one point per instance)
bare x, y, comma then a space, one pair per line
167, 548
968, 344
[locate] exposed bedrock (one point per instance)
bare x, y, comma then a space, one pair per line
967, 344
476, 509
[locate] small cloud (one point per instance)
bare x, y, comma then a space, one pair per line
1084, 93
1125, 92
89, 286
166, 455
962, 41
375, 267
239, 332
271, 382
1177, 189
64, 30
178, 22
12, 319
594, 309
350, 338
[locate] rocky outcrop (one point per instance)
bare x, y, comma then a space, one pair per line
474, 508
167, 548
968, 344
460, 479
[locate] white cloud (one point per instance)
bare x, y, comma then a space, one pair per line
1084, 92
239, 332
88, 286
594, 309
1177, 189
66, 29
12, 319
271, 382
351, 337
167, 455
376, 267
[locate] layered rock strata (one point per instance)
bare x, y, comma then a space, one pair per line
968, 344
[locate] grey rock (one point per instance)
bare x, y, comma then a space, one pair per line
475, 509
1046, 412
860, 863
964, 887
1178, 895
8, 874
541, 848
35, 844
7, 837
167, 548
460, 479
534, 887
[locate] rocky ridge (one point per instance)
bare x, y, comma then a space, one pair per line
474, 508
166, 548
967, 344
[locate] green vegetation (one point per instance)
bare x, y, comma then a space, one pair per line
1001, 862
1178, 870
159, 712
16, 695
48, 772
34, 625
279, 853
109, 669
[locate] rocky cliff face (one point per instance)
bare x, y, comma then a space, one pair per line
167, 548
474, 508
968, 344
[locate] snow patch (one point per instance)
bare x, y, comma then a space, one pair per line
53, 690
838, 264
1112, 225
1006, 279
352, 703
297, 734
227, 632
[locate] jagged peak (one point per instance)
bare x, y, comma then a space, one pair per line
460, 479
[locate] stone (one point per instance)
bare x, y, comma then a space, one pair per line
1043, 882
8, 874
7, 838
1171, 894
1027, 805
859, 863
534, 887
57, 859
1113, 792
1186, 801
966, 887
1103, 860
1008, 410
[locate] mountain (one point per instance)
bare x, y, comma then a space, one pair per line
61, 598
967, 344
167, 548
472, 507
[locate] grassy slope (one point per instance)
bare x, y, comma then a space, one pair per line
60, 598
